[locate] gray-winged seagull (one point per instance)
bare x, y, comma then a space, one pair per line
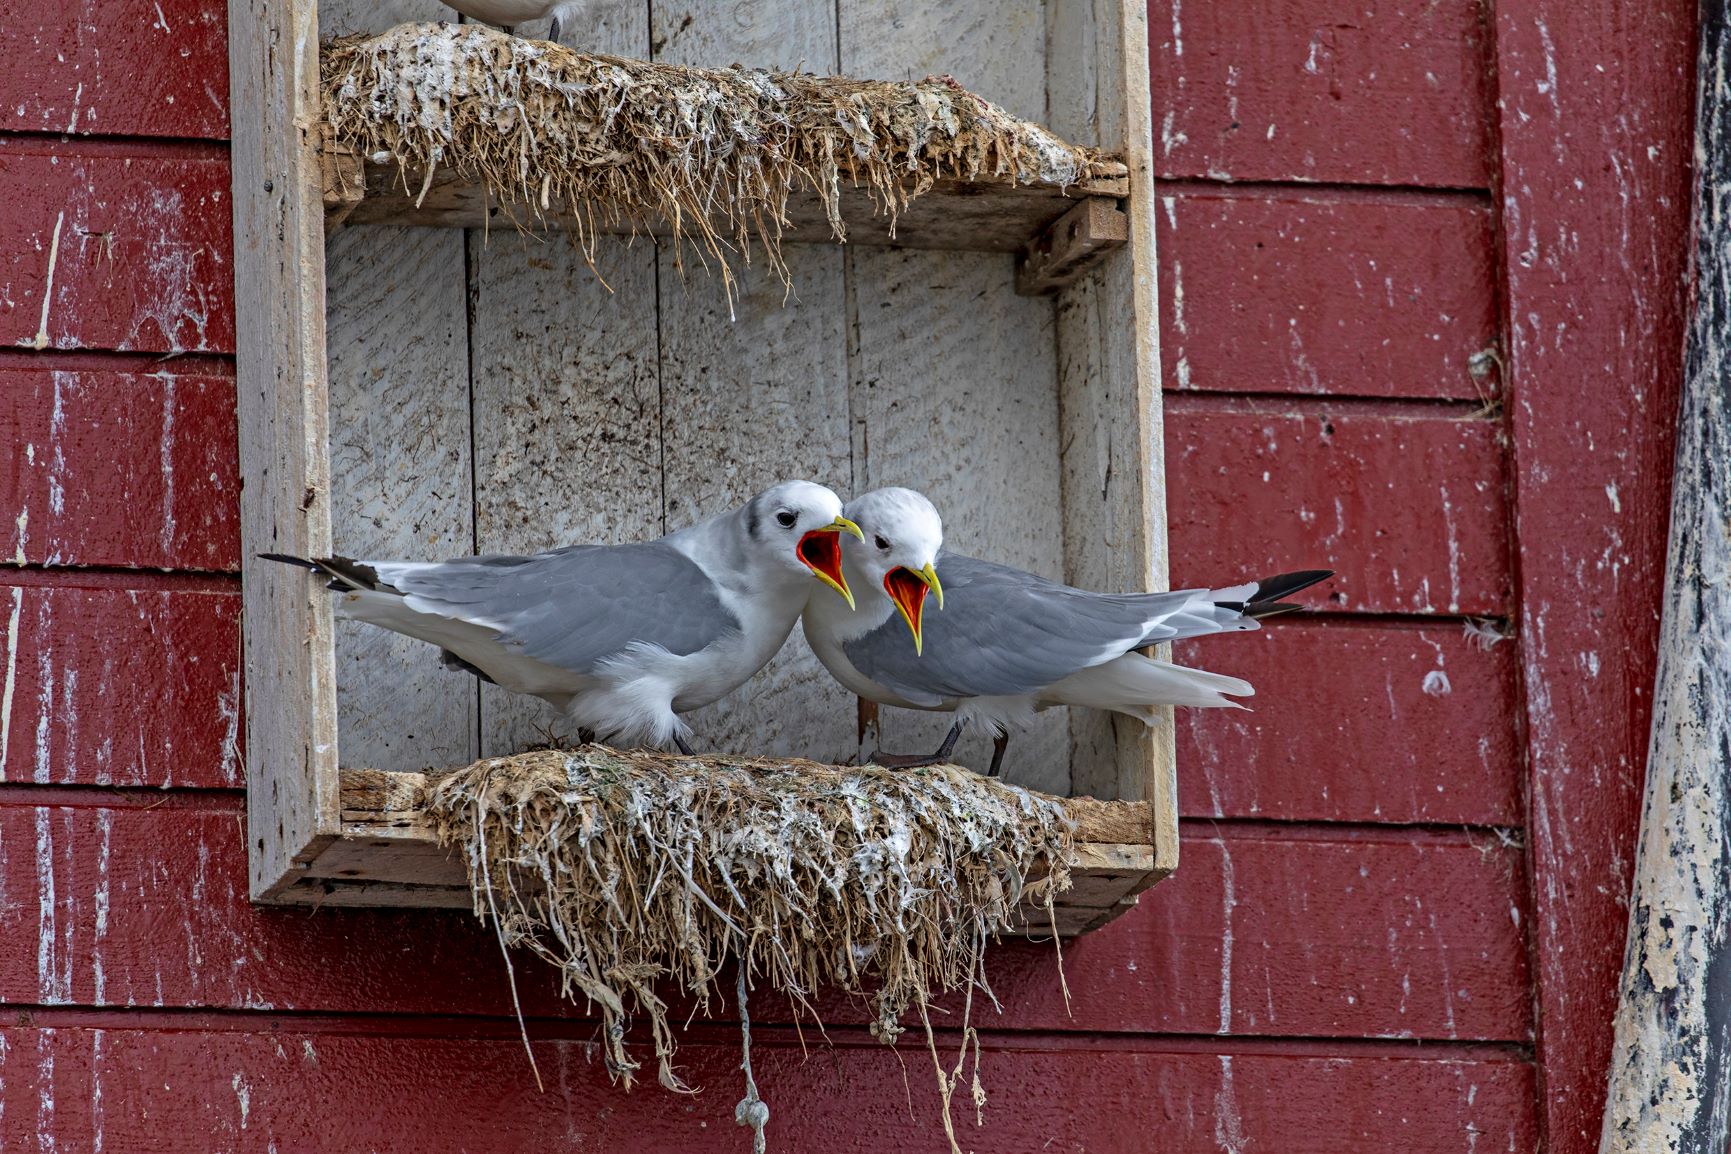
621, 638
1007, 643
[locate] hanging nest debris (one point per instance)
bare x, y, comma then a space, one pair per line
627, 870
713, 153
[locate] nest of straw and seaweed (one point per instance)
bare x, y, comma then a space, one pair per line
633, 871
711, 153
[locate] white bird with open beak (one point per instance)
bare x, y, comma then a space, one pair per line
1009, 643
620, 638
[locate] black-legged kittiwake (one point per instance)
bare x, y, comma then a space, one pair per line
1008, 643
621, 638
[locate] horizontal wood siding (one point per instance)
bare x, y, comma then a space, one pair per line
265, 1084
156, 68
1316, 90
134, 469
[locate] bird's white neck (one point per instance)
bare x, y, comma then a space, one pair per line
828, 612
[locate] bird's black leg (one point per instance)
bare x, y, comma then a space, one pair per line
553, 30
998, 744
684, 746
914, 760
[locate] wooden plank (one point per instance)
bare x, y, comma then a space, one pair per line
953, 377
124, 68
567, 400
75, 661
280, 386
1274, 486
384, 799
1359, 721
986, 215
1593, 116
758, 396
401, 483
1392, 93
954, 394
297, 1080
121, 468
1289, 291
114, 252
1070, 246
1273, 932
1110, 421
1332, 936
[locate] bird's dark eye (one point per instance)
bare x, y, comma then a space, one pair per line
882, 544
785, 519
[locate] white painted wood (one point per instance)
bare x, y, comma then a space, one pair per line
566, 395
396, 318
996, 49
291, 752
749, 402
762, 396
567, 417
954, 376
784, 35
351, 17
955, 394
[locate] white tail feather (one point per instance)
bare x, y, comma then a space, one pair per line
1136, 685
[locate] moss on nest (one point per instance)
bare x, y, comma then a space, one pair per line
626, 870
714, 153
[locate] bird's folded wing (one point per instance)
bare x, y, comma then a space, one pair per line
1003, 632
573, 608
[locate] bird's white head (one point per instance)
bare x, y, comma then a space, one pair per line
796, 526
900, 535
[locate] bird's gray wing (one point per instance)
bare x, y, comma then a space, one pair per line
574, 608
1003, 631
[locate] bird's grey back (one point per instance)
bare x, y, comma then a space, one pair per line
1004, 631
578, 606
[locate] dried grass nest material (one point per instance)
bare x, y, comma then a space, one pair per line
715, 153
626, 870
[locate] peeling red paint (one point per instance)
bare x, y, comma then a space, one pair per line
1350, 724
1295, 291
1408, 505
117, 68
1596, 141
122, 469
115, 252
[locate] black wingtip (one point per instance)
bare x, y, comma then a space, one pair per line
290, 559
347, 574
1273, 589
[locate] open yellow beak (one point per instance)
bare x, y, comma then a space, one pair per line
820, 550
908, 588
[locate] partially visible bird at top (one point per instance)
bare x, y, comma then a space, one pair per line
508, 14
1007, 643
620, 638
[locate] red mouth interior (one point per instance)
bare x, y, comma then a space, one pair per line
907, 590
821, 553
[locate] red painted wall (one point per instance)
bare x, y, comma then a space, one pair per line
1398, 919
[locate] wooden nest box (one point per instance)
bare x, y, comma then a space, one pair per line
419, 378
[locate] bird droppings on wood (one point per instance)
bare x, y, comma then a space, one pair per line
624, 870
713, 153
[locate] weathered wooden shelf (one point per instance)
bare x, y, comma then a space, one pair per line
386, 854
1060, 232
